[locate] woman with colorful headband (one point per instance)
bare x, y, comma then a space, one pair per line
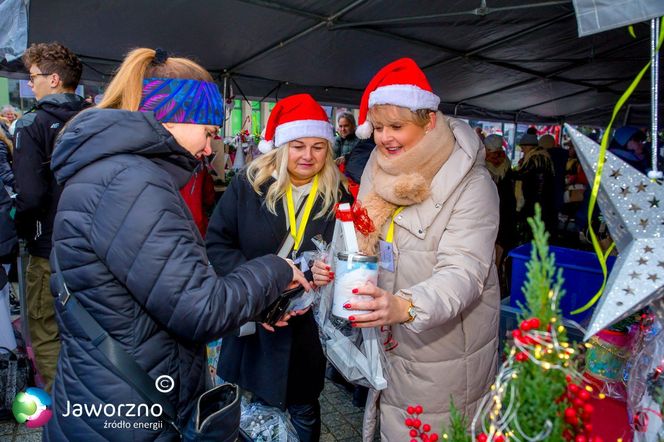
132, 255
435, 209
285, 197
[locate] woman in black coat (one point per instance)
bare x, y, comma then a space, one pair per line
283, 368
132, 255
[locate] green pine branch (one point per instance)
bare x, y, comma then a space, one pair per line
542, 276
457, 431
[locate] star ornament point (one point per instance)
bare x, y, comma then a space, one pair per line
637, 230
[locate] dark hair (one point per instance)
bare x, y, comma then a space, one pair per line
55, 58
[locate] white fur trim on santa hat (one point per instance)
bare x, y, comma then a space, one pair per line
404, 95
364, 130
303, 128
265, 146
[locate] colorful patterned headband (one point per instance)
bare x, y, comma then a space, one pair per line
179, 100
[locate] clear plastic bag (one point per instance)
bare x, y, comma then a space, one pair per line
357, 353
266, 424
645, 387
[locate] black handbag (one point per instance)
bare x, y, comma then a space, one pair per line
15, 376
216, 415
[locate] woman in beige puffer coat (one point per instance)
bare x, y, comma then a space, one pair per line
441, 300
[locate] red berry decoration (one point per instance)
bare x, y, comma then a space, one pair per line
433, 437
570, 416
416, 423
578, 403
413, 433
426, 428
410, 410
580, 438
413, 440
584, 395
425, 437
418, 409
516, 333
528, 340
482, 437
521, 357
500, 438
588, 409
409, 422
525, 325
573, 388
534, 323
588, 428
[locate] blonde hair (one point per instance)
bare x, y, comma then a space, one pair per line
260, 171
390, 114
126, 88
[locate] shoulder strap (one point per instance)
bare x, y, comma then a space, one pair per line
288, 242
126, 366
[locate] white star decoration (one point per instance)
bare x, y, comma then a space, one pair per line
630, 204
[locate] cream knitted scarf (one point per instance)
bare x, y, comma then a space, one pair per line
405, 179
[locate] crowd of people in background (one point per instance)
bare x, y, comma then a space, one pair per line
117, 195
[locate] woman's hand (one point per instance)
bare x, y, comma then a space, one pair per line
323, 275
284, 320
386, 309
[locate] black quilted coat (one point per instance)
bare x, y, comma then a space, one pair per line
129, 249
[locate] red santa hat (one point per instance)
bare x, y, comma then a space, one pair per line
400, 83
294, 117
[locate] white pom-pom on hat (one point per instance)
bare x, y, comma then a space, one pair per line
265, 146
364, 130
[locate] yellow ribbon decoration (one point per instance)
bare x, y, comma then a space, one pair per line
296, 233
602, 256
390, 231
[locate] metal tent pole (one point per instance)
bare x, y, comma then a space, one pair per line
654, 82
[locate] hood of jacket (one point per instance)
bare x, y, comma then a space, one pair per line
101, 133
62, 106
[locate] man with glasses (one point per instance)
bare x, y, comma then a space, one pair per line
54, 75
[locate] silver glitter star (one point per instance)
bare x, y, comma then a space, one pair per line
636, 225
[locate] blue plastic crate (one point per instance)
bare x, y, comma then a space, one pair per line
581, 271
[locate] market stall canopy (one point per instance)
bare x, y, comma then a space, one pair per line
488, 59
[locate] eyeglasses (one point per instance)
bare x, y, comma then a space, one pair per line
32, 76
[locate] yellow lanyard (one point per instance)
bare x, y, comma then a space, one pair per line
296, 233
390, 231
